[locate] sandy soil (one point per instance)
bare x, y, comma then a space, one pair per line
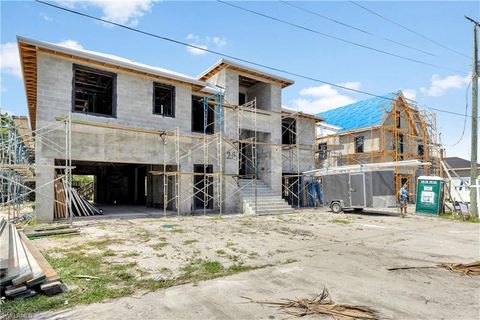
347, 253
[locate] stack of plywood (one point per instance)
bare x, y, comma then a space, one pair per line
24, 271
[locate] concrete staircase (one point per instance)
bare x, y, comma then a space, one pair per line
268, 202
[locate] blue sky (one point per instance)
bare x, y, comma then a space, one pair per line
241, 34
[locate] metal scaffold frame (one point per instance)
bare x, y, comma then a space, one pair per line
398, 142
18, 170
291, 157
186, 147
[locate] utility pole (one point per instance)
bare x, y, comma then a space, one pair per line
473, 158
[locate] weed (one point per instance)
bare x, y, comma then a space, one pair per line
221, 252
158, 246
459, 217
187, 242
339, 221
131, 254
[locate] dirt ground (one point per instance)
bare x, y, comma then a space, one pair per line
299, 254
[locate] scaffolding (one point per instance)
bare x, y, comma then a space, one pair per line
18, 168
293, 186
406, 133
184, 183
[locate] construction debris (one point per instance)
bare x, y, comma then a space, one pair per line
469, 269
35, 234
24, 271
80, 205
322, 304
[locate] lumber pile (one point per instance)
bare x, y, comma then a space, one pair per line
81, 207
24, 272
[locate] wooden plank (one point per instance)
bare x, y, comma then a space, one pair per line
56, 227
5, 246
38, 275
25, 272
52, 232
52, 288
47, 269
12, 290
13, 270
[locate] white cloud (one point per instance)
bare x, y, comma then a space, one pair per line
439, 86
204, 42
45, 17
120, 11
71, 44
9, 60
195, 51
322, 98
219, 42
410, 94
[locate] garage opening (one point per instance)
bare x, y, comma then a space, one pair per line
125, 187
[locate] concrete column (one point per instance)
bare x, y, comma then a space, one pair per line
44, 197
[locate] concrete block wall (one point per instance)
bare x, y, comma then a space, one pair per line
134, 108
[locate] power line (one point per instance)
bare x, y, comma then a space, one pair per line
230, 56
335, 37
409, 30
356, 28
466, 109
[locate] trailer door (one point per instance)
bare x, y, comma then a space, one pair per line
357, 190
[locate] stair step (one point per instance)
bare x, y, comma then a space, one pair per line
269, 205
267, 200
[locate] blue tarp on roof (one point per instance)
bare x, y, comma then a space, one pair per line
361, 114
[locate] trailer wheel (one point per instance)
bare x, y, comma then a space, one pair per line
336, 207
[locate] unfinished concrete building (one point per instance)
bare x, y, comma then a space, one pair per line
219, 142
379, 130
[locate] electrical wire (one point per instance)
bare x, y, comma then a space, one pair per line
337, 38
465, 119
232, 57
410, 30
356, 28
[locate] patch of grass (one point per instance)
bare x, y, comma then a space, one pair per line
131, 254
459, 217
63, 236
113, 281
158, 246
143, 234
95, 244
178, 230
108, 253
187, 242
339, 221
221, 252
253, 254
290, 260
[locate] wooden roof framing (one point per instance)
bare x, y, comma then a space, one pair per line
245, 71
29, 55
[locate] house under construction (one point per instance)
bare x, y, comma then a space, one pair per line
150, 137
378, 130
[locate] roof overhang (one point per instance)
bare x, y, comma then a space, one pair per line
255, 73
29, 49
292, 112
